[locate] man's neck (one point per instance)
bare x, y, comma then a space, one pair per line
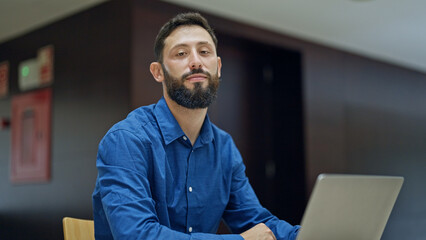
190, 120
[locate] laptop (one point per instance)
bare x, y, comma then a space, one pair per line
349, 207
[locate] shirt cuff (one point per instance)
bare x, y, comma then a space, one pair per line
232, 237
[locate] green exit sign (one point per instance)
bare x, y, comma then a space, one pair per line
25, 72
29, 74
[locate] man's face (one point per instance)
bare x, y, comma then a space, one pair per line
191, 67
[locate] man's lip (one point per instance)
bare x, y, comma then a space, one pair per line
196, 77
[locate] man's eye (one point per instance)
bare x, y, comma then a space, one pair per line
205, 52
180, 54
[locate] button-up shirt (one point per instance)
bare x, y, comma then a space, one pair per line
154, 184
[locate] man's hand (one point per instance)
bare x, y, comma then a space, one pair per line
258, 232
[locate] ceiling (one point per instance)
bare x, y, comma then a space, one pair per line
387, 30
18, 17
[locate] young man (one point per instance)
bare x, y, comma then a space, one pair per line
167, 172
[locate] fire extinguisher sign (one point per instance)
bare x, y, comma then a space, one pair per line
45, 61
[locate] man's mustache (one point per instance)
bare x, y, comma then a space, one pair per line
196, 71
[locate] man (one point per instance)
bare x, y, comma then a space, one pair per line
167, 172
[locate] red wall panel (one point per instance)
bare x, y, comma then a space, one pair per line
31, 124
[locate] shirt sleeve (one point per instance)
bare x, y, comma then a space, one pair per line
244, 210
125, 193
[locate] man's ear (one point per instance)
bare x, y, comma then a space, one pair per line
219, 67
157, 71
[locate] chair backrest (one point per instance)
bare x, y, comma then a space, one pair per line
78, 229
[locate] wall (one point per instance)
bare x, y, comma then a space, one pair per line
369, 117
90, 93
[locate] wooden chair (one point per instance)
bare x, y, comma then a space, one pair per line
78, 229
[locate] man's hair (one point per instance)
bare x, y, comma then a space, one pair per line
181, 19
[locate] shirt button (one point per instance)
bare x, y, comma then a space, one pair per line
190, 229
185, 138
190, 189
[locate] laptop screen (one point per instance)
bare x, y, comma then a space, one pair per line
349, 207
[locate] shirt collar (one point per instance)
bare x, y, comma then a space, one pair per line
170, 128
206, 132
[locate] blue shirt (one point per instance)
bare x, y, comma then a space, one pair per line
153, 184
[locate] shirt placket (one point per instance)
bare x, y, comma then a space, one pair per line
190, 190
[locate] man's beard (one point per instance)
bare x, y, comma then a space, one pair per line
198, 97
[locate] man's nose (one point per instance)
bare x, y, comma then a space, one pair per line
195, 62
